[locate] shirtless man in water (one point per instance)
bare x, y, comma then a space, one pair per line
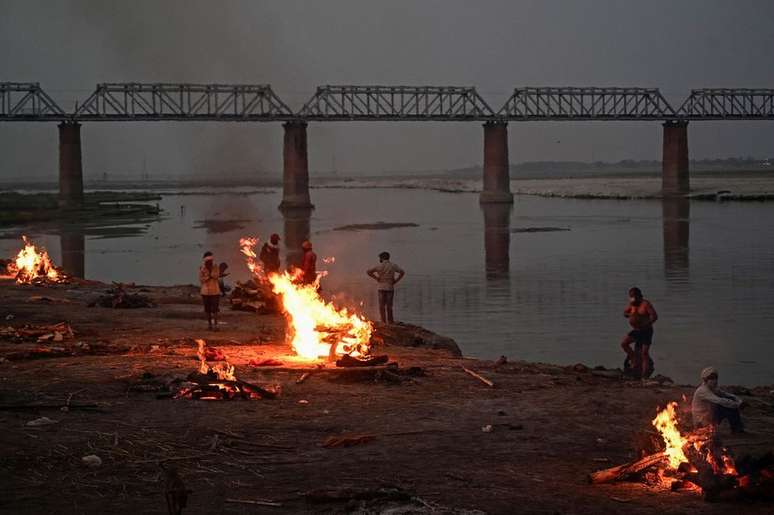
641, 315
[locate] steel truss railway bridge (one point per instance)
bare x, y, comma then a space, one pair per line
125, 102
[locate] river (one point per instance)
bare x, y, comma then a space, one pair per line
499, 280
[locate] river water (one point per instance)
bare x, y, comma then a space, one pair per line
493, 278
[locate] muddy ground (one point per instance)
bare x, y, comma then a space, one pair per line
423, 451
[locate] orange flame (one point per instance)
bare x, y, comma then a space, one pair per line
33, 263
316, 328
224, 371
247, 247
666, 423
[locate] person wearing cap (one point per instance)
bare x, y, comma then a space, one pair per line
642, 315
270, 255
711, 405
308, 264
210, 289
387, 274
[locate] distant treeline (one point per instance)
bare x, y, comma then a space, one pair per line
729, 162
563, 168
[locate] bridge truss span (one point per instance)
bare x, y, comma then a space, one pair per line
26, 101
728, 104
183, 102
398, 103
559, 104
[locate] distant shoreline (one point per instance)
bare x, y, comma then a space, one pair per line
743, 185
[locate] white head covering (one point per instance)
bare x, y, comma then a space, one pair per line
708, 372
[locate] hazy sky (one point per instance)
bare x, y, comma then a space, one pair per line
70, 46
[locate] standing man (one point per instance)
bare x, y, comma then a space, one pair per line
385, 275
308, 264
642, 316
710, 404
270, 255
210, 289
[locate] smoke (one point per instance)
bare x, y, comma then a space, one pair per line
70, 46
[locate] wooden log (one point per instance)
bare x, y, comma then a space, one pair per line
620, 472
259, 502
479, 377
303, 377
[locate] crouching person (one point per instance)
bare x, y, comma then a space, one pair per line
711, 405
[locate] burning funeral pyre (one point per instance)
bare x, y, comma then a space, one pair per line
219, 382
33, 266
316, 328
696, 461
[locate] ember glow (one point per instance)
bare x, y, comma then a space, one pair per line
666, 423
316, 328
33, 263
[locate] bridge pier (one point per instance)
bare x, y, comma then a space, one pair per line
73, 253
497, 183
675, 179
295, 170
70, 166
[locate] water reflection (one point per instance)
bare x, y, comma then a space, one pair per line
497, 239
297, 229
676, 216
73, 247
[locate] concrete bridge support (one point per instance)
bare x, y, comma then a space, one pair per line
297, 229
675, 180
497, 183
295, 172
70, 167
73, 253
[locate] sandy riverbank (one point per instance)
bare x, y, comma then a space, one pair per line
551, 425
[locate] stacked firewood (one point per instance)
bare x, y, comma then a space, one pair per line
253, 296
710, 468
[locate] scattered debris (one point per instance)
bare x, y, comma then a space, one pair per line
346, 441
92, 460
303, 377
118, 298
42, 299
502, 360
348, 361
40, 333
42, 421
268, 362
487, 428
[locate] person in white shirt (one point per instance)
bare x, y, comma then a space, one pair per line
711, 405
387, 275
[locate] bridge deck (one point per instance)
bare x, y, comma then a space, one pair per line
259, 103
